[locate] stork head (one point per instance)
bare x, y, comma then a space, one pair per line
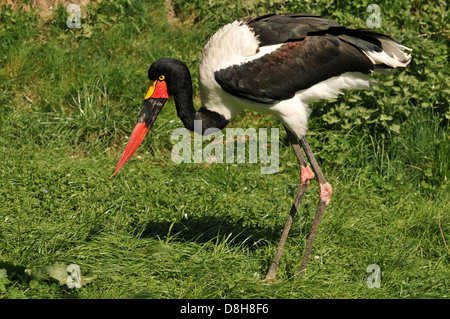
165, 80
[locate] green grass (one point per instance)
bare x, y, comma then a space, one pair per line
68, 99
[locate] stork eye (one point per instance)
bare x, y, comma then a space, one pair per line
162, 77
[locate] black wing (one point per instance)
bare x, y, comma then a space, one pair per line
313, 50
275, 29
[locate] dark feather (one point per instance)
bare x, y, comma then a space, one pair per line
275, 29
314, 50
293, 67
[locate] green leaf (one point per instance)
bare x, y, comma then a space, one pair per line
395, 128
384, 117
33, 283
57, 271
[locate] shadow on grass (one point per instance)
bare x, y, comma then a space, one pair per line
205, 229
13, 271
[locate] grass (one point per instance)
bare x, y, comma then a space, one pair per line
69, 98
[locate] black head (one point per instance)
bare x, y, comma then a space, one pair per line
168, 77
174, 72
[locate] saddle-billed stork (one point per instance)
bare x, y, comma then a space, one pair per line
276, 64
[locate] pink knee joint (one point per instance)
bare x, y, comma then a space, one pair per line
306, 175
325, 193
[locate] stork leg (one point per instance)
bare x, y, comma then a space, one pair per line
306, 176
325, 193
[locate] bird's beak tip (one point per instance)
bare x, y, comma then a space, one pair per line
148, 114
138, 135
